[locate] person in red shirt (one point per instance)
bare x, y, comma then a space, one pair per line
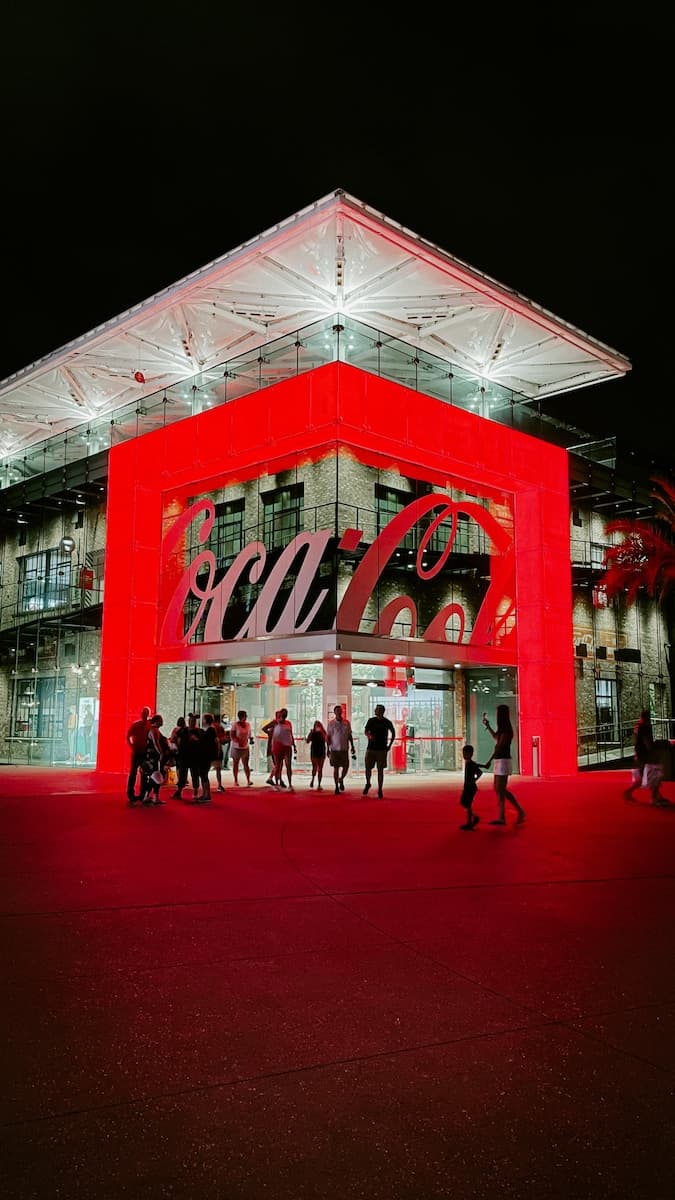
137, 740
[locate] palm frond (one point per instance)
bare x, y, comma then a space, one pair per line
646, 556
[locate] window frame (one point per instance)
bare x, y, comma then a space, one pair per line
40, 582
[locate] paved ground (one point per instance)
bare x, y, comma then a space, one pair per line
295, 996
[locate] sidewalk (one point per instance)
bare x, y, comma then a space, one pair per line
310, 997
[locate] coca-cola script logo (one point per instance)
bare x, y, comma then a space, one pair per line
214, 598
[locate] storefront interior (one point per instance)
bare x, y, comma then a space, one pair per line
433, 710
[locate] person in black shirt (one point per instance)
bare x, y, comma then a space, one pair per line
137, 739
380, 734
472, 773
316, 739
180, 737
194, 753
647, 771
208, 752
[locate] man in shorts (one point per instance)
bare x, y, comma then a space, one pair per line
240, 742
283, 748
339, 738
380, 734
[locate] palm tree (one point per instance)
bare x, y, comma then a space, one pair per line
646, 559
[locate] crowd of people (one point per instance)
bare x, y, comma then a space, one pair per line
194, 749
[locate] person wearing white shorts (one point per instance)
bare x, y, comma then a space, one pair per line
501, 757
240, 742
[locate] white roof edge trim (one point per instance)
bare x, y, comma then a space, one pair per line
365, 215
158, 300
497, 291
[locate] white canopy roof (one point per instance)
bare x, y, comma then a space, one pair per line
337, 255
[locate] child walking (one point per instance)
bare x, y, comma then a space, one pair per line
472, 773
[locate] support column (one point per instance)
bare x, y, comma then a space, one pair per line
337, 687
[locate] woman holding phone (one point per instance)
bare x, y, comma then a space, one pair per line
501, 756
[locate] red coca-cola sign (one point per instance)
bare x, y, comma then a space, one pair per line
214, 593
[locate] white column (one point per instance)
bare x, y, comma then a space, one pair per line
337, 687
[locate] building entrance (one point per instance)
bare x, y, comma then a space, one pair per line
485, 690
426, 707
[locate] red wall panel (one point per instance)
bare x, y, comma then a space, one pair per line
383, 423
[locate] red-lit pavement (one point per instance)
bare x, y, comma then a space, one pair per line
307, 995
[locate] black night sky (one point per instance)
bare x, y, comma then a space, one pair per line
140, 146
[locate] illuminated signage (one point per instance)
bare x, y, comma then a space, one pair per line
213, 597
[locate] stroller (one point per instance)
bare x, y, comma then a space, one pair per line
158, 757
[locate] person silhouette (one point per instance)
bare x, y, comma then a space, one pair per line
316, 739
646, 772
380, 735
137, 740
87, 730
339, 735
472, 773
501, 756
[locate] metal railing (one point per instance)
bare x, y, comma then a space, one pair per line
611, 744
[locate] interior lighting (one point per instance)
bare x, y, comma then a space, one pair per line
337, 656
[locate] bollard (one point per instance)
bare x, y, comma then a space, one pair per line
536, 747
